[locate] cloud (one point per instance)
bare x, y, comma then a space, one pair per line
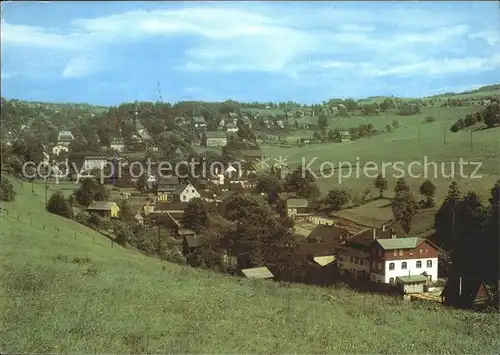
490, 36
437, 67
314, 39
79, 67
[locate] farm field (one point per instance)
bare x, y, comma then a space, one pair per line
66, 290
412, 141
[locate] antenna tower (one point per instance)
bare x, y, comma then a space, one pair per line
159, 92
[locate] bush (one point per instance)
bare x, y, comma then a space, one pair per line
7, 192
94, 220
429, 119
82, 218
59, 205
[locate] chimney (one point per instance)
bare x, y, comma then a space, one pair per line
374, 234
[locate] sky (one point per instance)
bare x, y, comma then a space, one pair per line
105, 53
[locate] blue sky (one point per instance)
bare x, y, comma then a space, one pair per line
111, 52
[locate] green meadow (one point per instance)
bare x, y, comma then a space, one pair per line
411, 142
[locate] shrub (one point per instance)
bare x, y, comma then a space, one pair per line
94, 220
59, 205
82, 218
429, 119
7, 192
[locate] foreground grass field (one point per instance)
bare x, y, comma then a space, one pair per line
411, 142
66, 290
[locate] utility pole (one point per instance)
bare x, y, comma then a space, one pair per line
46, 193
159, 235
444, 132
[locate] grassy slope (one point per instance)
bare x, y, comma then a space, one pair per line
403, 145
123, 302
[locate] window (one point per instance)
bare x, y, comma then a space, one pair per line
426, 250
352, 259
192, 191
392, 266
419, 264
429, 263
184, 197
400, 252
404, 265
380, 266
421, 251
395, 253
391, 280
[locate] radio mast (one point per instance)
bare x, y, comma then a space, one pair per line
160, 98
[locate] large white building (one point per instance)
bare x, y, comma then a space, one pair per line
381, 257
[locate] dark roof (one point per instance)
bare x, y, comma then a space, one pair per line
180, 189
194, 242
328, 234
297, 203
317, 249
365, 237
199, 120
215, 134
171, 206
167, 182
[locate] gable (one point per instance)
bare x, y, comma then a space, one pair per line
428, 244
482, 292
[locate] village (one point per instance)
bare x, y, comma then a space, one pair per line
366, 251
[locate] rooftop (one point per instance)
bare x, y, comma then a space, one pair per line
257, 273
328, 233
412, 278
171, 206
215, 134
296, 203
324, 260
102, 206
372, 214
400, 243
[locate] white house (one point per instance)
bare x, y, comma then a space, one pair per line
151, 181
59, 148
65, 137
199, 122
231, 127
117, 144
185, 193
398, 257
